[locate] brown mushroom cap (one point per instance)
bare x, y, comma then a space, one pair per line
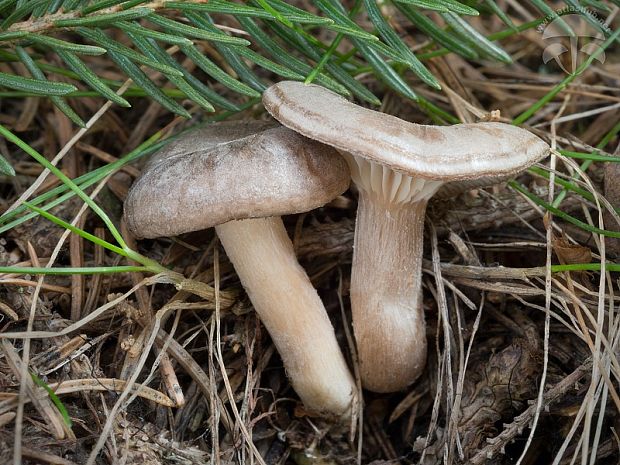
209, 136
448, 153
272, 173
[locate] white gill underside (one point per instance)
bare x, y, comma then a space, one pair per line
389, 185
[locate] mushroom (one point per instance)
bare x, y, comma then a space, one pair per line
207, 137
242, 187
397, 166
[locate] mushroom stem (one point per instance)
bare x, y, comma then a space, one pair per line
386, 305
292, 312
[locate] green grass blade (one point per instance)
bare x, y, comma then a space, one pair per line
566, 81
294, 38
60, 175
54, 398
590, 156
28, 216
586, 164
85, 181
613, 267
70, 271
569, 186
323, 60
560, 214
63, 224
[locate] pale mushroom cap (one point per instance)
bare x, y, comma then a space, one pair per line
272, 173
209, 136
462, 151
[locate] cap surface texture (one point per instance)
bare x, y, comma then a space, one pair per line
209, 136
461, 151
271, 173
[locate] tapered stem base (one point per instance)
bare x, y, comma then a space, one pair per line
386, 306
292, 312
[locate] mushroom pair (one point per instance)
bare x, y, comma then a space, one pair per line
397, 166
240, 177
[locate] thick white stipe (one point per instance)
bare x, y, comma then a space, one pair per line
386, 298
291, 310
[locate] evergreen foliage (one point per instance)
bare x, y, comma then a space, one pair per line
272, 34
